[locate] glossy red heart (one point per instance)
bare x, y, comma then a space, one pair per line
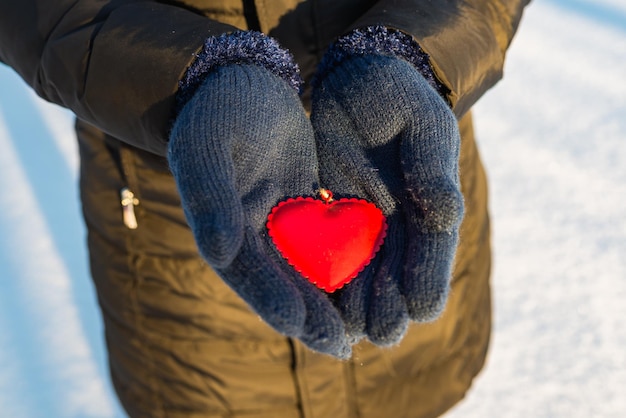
328, 241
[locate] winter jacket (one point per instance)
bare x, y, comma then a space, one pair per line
180, 342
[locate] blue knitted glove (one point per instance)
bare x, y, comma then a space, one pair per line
385, 134
241, 143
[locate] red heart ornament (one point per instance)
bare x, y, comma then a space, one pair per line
328, 241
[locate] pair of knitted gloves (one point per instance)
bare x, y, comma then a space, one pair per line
378, 130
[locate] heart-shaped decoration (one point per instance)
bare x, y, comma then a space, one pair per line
328, 241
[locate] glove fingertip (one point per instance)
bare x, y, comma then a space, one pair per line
289, 320
280, 307
328, 338
388, 318
354, 338
324, 328
351, 302
426, 279
428, 309
426, 298
389, 334
344, 352
437, 209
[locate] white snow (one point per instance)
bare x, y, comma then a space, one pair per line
553, 138
42, 285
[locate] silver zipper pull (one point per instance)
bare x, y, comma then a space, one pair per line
129, 201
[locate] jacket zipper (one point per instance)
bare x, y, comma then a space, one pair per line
129, 197
129, 201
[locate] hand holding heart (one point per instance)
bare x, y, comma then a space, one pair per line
385, 135
243, 149
240, 145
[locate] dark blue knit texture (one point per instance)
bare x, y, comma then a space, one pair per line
380, 40
241, 144
385, 134
241, 47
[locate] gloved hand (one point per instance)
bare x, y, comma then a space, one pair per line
384, 134
241, 144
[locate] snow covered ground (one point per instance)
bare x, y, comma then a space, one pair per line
553, 136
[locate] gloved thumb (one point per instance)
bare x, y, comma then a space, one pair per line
212, 207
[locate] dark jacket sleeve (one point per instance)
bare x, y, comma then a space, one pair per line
115, 64
466, 39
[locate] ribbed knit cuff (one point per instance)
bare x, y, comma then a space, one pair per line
241, 47
380, 40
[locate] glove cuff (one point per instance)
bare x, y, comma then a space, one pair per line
240, 47
380, 40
